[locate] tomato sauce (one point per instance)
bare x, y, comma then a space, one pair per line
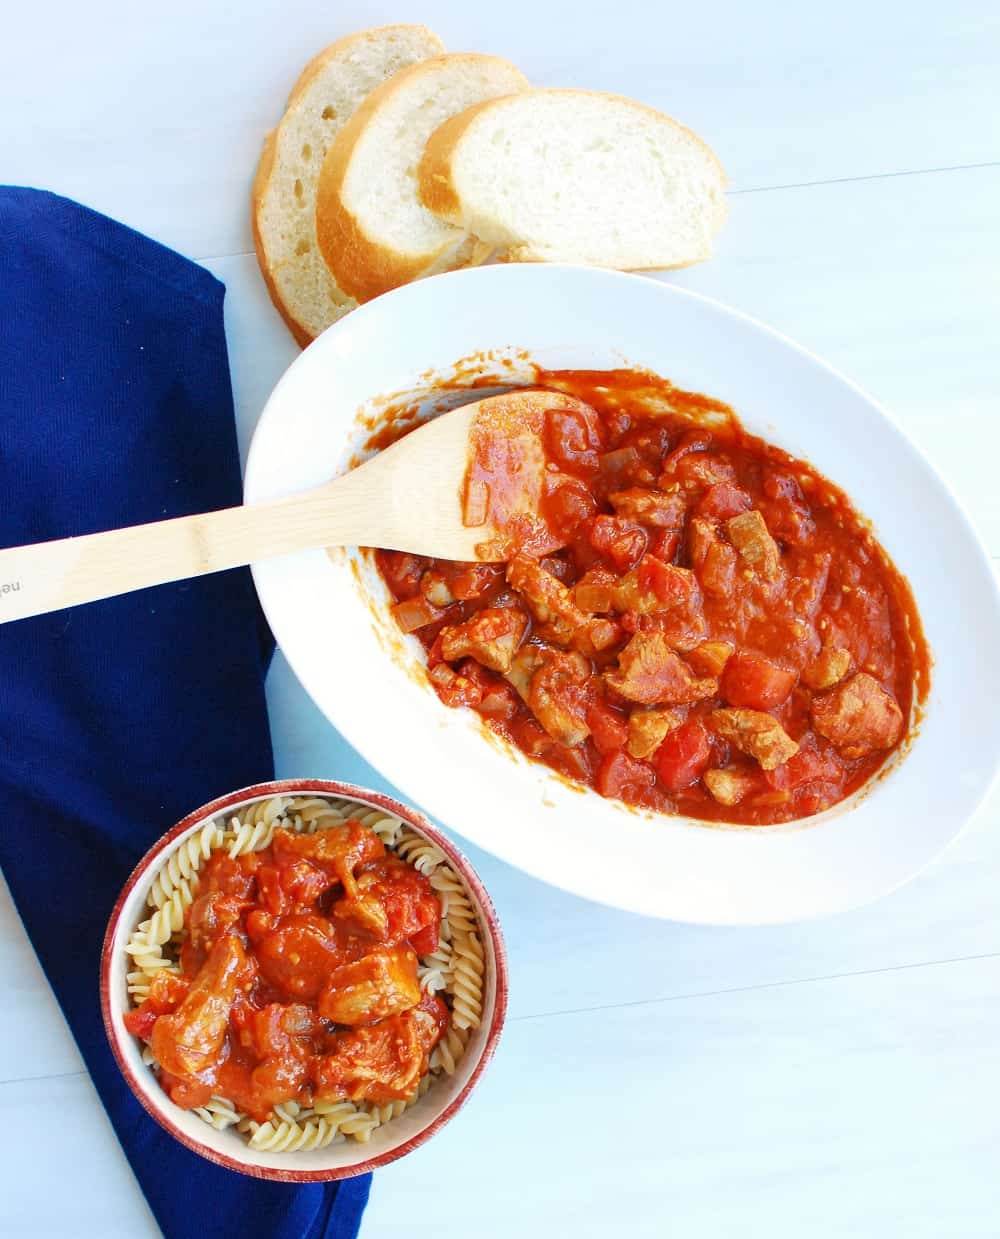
689, 619
298, 978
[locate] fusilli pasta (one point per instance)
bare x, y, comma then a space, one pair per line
455, 969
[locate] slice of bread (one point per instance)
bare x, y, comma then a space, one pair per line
576, 176
326, 95
372, 229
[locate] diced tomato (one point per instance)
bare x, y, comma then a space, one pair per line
618, 540
402, 572
568, 508
651, 442
718, 570
455, 688
608, 727
475, 580
683, 756
664, 544
756, 682
692, 441
704, 469
617, 424
573, 439
817, 797
722, 501
787, 514
809, 765
672, 586
620, 465
622, 777
139, 1022
500, 701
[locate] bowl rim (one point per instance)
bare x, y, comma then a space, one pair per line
351, 791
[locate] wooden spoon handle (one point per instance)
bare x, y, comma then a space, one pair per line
51, 575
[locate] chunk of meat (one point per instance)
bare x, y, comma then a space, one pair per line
491, 637
559, 696
755, 733
550, 602
713, 561
755, 681
409, 907
210, 917
710, 657
655, 508
622, 542
858, 716
379, 984
749, 534
728, 787
654, 586
339, 849
652, 673
381, 1062
283, 1038
522, 670
190, 1042
646, 729
829, 668
595, 591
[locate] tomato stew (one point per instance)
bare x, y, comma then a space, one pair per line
720, 634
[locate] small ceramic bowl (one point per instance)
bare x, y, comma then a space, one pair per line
345, 1157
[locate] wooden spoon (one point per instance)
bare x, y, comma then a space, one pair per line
410, 497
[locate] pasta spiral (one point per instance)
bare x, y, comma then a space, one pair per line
467, 980
180, 869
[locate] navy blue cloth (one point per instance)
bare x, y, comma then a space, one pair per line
119, 717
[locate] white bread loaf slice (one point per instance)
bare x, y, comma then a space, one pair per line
372, 229
324, 98
576, 176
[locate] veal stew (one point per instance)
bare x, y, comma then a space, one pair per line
719, 633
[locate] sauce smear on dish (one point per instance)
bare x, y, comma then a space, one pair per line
689, 619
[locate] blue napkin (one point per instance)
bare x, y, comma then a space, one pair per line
119, 717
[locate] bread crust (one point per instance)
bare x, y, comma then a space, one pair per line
434, 175
362, 266
265, 166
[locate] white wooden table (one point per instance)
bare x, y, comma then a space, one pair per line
822, 1080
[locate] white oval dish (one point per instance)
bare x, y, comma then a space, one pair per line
329, 617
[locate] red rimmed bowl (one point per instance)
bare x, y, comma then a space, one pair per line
392, 1137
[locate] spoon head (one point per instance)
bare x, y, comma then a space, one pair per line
474, 483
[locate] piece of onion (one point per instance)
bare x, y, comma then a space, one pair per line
477, 503
414, 613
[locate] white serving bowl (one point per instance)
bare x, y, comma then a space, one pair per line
329, 615
341, 1160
